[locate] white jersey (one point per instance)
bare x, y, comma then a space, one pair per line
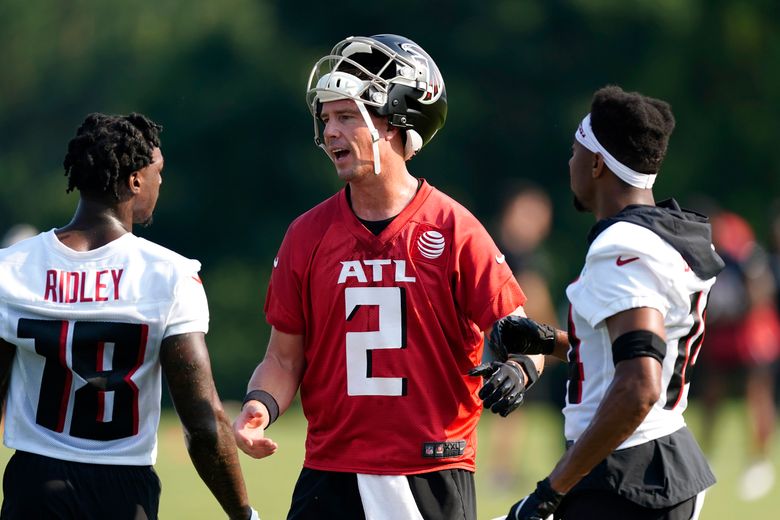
629, 266
86, 379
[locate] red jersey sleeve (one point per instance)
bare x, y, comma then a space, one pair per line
485, 287
283, 303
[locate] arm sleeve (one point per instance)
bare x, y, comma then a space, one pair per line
189, 311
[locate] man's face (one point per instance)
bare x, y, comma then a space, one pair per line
580, 174
347, 139
149, 179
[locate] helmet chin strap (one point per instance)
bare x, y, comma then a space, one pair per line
374, 135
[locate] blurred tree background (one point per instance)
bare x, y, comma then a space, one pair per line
227, 79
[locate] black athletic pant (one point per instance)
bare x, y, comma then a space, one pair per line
329, 495
604, 505
37, 487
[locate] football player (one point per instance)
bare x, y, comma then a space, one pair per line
635, 328
378, 301
91, 316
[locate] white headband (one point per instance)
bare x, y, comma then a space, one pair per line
587, 138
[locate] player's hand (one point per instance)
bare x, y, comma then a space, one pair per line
539, 505
521, 335
249, 431
504, 386
253, 515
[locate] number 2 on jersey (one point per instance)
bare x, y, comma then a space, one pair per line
94, 414
391, 334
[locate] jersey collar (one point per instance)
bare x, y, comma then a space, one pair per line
387, 236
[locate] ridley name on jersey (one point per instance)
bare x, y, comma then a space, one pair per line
82, 286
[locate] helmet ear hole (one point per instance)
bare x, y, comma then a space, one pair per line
413, 144
380, 98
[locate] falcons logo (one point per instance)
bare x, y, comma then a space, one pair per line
432, 80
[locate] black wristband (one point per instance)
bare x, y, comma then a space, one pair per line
269, 402
529, 368
545, 491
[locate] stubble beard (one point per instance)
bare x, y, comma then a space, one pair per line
346, 175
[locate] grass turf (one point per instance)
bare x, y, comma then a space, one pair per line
538, 444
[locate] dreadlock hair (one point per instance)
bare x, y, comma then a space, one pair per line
634, 128
107, 149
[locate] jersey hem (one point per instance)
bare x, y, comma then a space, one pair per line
390, 471
187, 328
86, 459
283, 327
643, 437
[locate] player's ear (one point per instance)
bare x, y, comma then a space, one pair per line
391, 132
597, 168
134, 182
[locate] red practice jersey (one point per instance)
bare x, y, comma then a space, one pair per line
391, 323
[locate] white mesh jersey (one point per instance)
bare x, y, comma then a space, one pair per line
629, 266
86, 379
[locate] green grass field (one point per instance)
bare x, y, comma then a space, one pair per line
270, 481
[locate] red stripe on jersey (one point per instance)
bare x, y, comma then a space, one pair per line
576, 370
128, 378
68, 377
101, 347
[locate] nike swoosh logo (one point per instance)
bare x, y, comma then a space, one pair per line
276, 262
500, 259
197, 279
621, 261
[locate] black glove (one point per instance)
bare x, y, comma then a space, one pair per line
539, 505
504, 386
519, 335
